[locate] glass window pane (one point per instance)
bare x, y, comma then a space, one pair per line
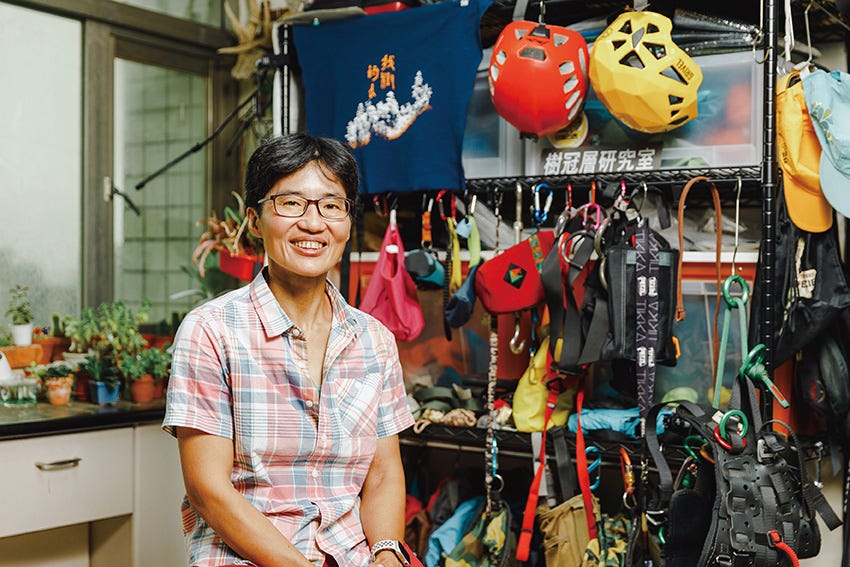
154, 125
40, 160
201, 11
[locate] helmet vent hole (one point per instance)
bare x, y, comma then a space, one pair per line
675, 99
672, 73
520, 33
494, 72
572, 100
501, 57
658, 51
651, 28
559, 39
618, 43
627, 27
567, 68
637, 37
680, 120
582, 61
632, 60
537, 53
570, 85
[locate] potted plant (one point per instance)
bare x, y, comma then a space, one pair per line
56, 381
158, 361
52, 340
79, 330
239, 252
116, 329
104, 379
20, 313
137, 374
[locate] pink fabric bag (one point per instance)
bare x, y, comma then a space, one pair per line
390, 296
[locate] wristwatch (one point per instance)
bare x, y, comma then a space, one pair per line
393, 545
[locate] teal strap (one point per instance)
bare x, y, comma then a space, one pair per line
731, 303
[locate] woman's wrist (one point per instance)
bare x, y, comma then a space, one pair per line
388, 558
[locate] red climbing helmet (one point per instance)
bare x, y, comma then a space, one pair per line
538, 76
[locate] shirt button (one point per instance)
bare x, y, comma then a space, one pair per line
309, 404
315, 473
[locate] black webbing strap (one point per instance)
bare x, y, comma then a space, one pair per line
345, 271
566, 470
665, 476
646, 307
558, 273
361, 238
597, 332
811, 494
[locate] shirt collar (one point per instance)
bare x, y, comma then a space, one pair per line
276, 322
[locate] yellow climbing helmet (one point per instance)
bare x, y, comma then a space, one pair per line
644, 79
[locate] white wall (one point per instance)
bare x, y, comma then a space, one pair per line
40, 159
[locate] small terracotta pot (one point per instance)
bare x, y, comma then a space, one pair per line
81, 391
58, 390
141, 389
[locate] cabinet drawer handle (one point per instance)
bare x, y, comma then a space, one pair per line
59, 465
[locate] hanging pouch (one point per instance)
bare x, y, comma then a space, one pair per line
510, 282
620, 271
391, 294
425, 269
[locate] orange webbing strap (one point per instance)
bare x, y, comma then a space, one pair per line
718, 222
581, 469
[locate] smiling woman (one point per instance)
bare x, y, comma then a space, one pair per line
286, 401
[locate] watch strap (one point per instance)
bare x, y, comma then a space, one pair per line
391, 545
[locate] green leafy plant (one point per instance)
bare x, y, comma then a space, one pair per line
80, 330
57, 326
20, 308
157, 361
133, 367
229, 235
55, 371
117, 329
102, 370
109, 329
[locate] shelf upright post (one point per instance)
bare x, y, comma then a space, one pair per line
280, 81
767, 289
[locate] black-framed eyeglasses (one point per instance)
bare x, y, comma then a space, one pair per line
293, 206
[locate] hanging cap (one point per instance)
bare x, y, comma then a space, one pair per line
799, 157
828, 101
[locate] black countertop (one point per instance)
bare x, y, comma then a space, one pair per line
46, 419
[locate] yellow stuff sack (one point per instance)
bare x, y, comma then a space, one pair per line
529, 403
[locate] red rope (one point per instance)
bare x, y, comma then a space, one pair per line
779, 544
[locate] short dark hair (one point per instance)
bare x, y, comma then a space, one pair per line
281, 156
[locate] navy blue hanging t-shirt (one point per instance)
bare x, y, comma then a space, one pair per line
395, 87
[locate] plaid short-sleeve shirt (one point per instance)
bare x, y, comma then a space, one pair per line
300, 456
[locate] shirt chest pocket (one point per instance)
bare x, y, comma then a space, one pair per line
358, 400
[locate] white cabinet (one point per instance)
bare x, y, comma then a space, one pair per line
114, 493
60, 480
157, 494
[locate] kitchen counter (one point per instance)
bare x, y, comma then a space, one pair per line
46, 419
